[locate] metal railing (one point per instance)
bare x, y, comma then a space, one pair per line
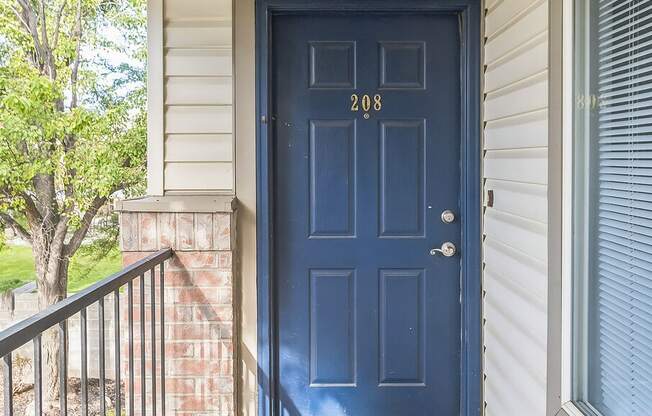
31, 330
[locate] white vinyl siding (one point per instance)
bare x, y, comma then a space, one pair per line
198, 85
515, 227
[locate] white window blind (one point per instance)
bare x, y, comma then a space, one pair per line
618, 345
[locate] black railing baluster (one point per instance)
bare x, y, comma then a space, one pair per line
63, 367
102, 363
130, 296
8, 385
152, 292
31, 329
84, 363
162, 307
116, 349
38, 377
143, 383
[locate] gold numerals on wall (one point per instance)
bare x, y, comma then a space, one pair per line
366, 103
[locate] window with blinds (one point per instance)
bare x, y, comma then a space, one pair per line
613, 207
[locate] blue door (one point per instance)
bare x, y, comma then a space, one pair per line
366, 142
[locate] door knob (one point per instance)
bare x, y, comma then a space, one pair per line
447, 249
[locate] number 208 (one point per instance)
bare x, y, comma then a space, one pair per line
365, 103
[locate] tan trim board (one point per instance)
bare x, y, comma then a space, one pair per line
555, 206
178, 203
155, 93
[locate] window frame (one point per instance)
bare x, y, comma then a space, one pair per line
561, 205
569, 300
563, 365
568, 156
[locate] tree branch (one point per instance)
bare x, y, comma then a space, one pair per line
21, 19
30, 208
49, 56
29, 19
15, 225
80, 233
57, 27
75, 66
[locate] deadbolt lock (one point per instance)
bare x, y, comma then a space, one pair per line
448, 216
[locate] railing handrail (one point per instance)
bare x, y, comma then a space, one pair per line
26, 330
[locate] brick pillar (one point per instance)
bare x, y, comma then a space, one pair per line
198, 307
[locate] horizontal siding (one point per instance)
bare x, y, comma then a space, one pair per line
506, 362
199, 91
516, 333
512, 38
527, 165
185, 10
199, 34
517, 232
198, 147
515, 226
198, 62
522, 270
528, 61
525, 200
199, 119
525, 96
198, 56
519, 131
204, 176
499, 18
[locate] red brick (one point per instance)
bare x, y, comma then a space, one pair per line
225, 295
192, 404
194, 295
185, 234
214, 313
224, 259
203, 231
214, 278
179, 350
177, 278
180, 385
191, 367
220, 350
222, 231
217, 385
132, 257
179, 313
167, 229
129, 231
148, 231
196, 331
193, 260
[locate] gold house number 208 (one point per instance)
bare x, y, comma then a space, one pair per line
365, 102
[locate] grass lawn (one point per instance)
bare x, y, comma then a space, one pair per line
17, 268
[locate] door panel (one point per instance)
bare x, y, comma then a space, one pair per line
332, 178
402, 332
366, 142
402, 169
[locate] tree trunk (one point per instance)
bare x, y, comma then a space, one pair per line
52, 286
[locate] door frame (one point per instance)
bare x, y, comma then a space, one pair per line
469, 12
